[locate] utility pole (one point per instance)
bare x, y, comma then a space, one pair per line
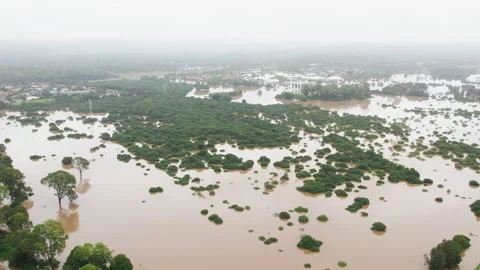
90, 106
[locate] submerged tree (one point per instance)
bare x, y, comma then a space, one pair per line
81, 164
13, 180
50, 241
98, 255
63, 183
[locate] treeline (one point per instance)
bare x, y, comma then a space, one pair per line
56, 75
465, 93
406, 89
330, 92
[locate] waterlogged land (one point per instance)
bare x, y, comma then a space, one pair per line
165, 227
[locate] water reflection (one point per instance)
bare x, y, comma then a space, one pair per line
83, 186
69, 218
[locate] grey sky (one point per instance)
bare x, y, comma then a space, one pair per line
245, 20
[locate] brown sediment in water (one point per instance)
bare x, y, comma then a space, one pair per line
109, 208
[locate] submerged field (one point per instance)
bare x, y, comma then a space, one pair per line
179, 137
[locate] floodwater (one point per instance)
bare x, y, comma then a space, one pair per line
167, 231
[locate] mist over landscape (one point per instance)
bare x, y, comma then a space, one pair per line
239, 135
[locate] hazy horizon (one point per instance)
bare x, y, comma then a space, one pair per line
240, 23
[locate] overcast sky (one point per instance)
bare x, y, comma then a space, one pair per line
244, 21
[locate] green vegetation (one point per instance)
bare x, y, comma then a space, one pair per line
462, 154
447, 254
124, 157
204, 212
56, 137
215, 218
307, 265
67, 161
14, 181
81, 164
210, 187
309, 243
237, 208
328, 177
303, 219
301, 209
284, 215
322, 218
439, 199
359, 202
379, 227
155, 190
329, 92
427, 181
342, 264
264, 161
35, 157
406, 89
97, 255
473, 183
475, 208
63, 183
341, 193
270, 240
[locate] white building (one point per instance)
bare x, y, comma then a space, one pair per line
475, 78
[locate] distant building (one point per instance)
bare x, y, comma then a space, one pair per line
473, 78
335, 79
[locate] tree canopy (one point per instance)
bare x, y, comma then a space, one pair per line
63, 183
13, 180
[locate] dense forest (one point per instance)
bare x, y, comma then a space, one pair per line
329, 92
405, 89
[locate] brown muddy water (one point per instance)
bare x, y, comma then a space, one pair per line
167, 231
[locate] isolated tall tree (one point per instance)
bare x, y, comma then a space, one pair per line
81, 164
50, 241
63, 183
13, 180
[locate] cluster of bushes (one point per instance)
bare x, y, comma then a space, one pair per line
56, 137
238, 208
358, 203
322, 218
309, 243
268, 241
447, 254
124, 157
215, 218
78, 135
303, 219
36, 157
462, 154
264, 161
329, 92
301, 209
473, 183
475, 208
67, 161
284, 215
210, 187
155, 190
185, 180
379, 227
406, 89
